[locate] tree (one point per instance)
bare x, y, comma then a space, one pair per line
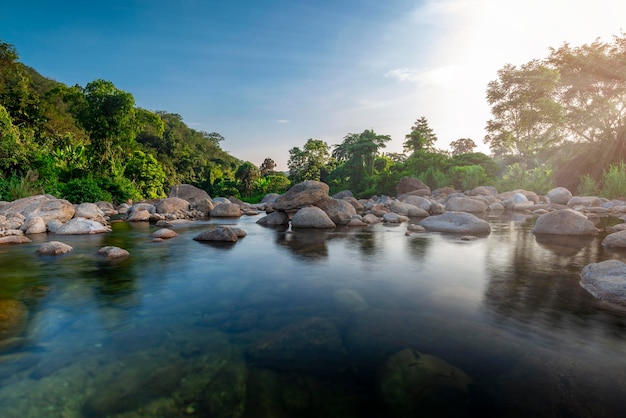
462, 146
246, 174
526, 118
309, 163
421, 137
267, 167
108, 115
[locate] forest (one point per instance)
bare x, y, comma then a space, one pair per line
555, 121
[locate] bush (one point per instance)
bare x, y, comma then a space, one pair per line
614, 181
539, 179
468, 177
16, 187
120, 189
83, 190
588, 186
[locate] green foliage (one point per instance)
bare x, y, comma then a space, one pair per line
246, 174
435, 178
120, 189
272, 183
147, 175
614, 181
462, 146
588, 186
309, 163
83, 190
421, 137
468, 177
17, 187
539, 179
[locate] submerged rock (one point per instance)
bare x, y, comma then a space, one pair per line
310, 346
13, 318
225, 395
606, 280
14, 239
350, 300
413, 384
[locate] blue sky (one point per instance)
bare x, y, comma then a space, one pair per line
268, 75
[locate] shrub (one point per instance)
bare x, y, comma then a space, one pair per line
539, 179
468, 177
614, 181
588, 186
83, 190
16, 187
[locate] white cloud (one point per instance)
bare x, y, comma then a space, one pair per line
283, 121
442, 76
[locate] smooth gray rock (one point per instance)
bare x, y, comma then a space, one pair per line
456, 222
465, 204
559, 195
113, 252
274, 218
308, 192
172, 205
226, 210
218, 233
81, 226
606, 280
53, 248
311, 217
339, 211
564, 222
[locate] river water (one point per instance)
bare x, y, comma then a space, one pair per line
147, 336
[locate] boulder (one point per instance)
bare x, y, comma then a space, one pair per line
358, 206
164, 233
465, 204
112, 252
456, 222
274, 218
53, 248
559, 195
311, 217
483, 191
313, 346
419, 201
564, 222
139, 215
89, 211
606, 280
172, 205
189, 193
584, 201
205, 206
81, 226
309, 192
394, 218
218, 233
45, 206
408, 184
226, 210
34, 225
13, 318
413, 384
370, 218
14, 239
106, 208
339, 211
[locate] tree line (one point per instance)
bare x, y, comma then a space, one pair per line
560, 120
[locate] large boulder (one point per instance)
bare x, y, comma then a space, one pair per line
564, 222
419, 201
456, 222
606, 280
413, 384
338, 210
34, 225
189, 193
585, 201
226, 210
615, 240
465, 204
172, 205
218, 233
311, 217
89, 211
81, 226
409, 184
559, 196
45, 206
309, 192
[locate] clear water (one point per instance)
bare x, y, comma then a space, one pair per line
148, 335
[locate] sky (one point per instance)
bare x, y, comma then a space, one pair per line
268, 75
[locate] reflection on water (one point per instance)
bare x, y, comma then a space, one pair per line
299, 323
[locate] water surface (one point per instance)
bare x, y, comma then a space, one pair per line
152, 335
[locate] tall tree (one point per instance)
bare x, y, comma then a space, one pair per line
421, 137
310, 162
462, 146
267, 167
108, 115
246, 174
358, 151
526, 118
